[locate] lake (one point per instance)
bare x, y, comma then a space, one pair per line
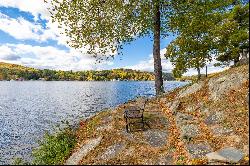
29, 108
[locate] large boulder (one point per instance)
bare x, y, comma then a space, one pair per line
228, 154
191, 89
218, 86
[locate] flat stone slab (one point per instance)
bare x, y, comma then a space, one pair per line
218, 86
214, 118
219, 130
189, 130
174, 106
246, 149
191, 108
107, 119
229, 154
147, 161
198, 107
191, 89
168, 104
129, 136
112, 151
156, 138
106, 127
76, 157
165, 160
130, 151
164, 121
198, 150
182, 119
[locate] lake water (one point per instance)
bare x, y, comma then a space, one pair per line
29, 108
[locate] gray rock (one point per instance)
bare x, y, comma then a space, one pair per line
174, 106
246, 149
219, 130
169, 104
196, 107
189, 130
112, 151
191, 89
182, 119
156, 138
129, 152
198, 150
218, 86
130, 136
191, 108
164, 121
107, 119
76, 157
147, 161
165, 160
105, 127
229, 154
214, 118
243, 62
205, 110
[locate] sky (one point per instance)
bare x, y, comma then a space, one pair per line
28, 37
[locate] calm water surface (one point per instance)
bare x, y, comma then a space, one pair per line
29, 108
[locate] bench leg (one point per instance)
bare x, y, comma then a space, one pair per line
127, 124
143, 126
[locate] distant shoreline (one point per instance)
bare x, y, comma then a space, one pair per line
17, 72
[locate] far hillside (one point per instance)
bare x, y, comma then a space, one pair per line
17, 72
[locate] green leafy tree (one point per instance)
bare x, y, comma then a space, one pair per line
233, 34
103, 26
193, 22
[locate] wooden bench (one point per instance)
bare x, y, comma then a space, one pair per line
135, 112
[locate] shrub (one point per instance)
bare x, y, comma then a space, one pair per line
19, 161
54, 149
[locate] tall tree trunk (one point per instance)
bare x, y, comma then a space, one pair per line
156, 50
206, 71
236, 60
199, 73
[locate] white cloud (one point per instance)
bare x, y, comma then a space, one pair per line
20, 28
48, 57
211, 69
35, 7
36, 56
5, 51
148, 65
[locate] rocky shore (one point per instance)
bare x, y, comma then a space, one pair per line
204, 123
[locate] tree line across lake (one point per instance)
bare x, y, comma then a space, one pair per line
18, 72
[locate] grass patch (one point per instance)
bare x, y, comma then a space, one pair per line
19, 161
54, 149
180, 160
